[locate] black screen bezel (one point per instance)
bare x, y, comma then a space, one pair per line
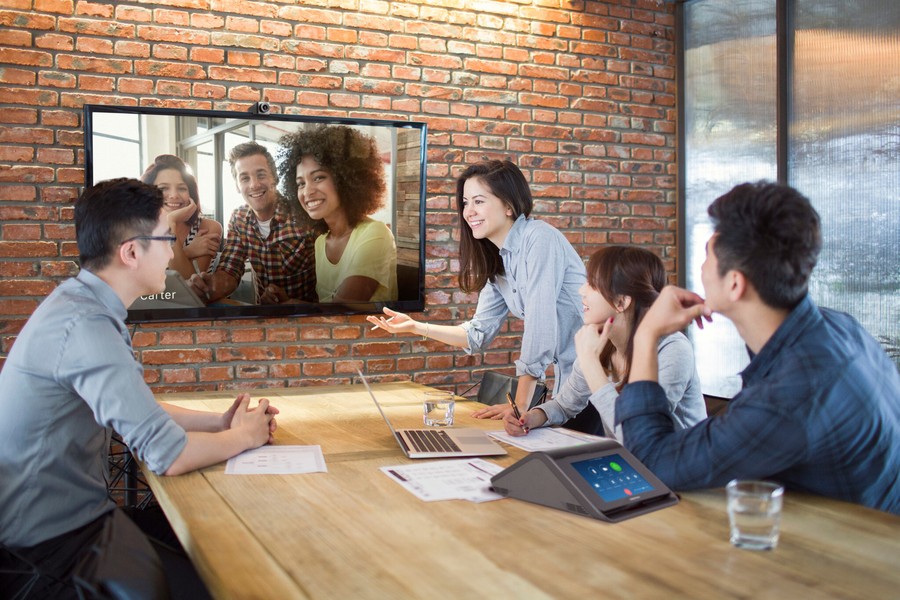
262, 311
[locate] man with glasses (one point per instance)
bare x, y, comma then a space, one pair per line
69, 380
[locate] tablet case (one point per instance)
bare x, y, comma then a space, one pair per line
538, 478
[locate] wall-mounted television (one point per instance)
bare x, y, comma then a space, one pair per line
121, 141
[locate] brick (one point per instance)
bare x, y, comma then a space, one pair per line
54, 6
180, 356
95, 27
569, 96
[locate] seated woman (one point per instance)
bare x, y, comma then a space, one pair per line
622, 283
335, 173
199, 239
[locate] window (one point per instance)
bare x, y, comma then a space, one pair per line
839, 133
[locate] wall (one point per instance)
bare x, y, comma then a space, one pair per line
581, 95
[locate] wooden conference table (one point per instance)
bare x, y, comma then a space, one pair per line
354, 533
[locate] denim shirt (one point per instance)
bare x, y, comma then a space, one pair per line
540, 286
819, 412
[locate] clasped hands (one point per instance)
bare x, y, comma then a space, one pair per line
258, 421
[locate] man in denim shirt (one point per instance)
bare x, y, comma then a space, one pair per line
820, 406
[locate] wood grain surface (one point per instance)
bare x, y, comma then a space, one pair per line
354, 533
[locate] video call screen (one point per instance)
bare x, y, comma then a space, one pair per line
611, 477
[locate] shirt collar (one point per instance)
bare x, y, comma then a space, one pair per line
798, 320
103, 293
513, 242
281, 215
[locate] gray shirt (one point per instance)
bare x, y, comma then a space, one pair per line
69, 379
540, 286
677, 377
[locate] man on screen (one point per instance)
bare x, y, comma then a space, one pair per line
820, 406
278, 242
70, 380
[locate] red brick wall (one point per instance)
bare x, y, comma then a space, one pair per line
580, 94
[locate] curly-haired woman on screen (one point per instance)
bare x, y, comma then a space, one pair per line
336, 175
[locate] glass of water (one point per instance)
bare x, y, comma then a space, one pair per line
754, 513
438, 408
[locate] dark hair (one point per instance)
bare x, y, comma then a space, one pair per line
480, 260
626, 271
170, 161
769, 232
246, 149
112, 211
351, 157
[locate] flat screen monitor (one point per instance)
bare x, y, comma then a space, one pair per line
121, 141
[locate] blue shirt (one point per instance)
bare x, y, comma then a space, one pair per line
70, 378
819, 412
540, 286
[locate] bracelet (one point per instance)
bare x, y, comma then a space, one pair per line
425, 335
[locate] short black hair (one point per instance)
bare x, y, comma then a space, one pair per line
112, 211
771, 233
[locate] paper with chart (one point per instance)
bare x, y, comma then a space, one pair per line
545, 438
277, 460
458, 479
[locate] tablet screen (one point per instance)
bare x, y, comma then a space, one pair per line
612, 478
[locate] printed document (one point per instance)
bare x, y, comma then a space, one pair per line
545, 438
458, 479
277, 460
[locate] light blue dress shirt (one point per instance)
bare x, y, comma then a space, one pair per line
69, 379
540, 286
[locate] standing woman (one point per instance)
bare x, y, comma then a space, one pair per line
335, 173
518, 265
198, 239
623, 281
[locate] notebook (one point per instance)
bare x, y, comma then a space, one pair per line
438, 442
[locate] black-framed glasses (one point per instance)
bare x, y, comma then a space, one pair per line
162, 238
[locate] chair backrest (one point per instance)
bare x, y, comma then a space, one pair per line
715, 405
407, 282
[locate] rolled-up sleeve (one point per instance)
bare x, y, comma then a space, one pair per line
111, 382
490, 314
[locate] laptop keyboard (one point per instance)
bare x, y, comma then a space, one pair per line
428, 440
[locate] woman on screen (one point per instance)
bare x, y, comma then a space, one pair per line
199, 239
336, 174
623, 281
518, 265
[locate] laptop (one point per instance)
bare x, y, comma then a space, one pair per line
439, 442
177, 294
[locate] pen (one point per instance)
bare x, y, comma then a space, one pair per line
199, 274
515, 408
374, 327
